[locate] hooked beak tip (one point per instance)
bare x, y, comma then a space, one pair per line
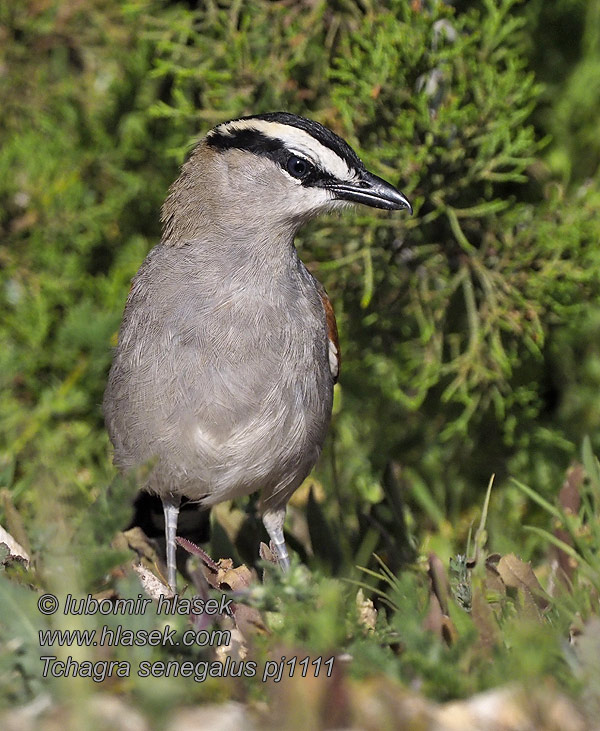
407, 205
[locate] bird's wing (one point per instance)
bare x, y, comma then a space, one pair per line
335, 355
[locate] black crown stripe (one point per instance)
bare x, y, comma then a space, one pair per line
242, 138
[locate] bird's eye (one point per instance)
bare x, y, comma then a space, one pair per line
298, 167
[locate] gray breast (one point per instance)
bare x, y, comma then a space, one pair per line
220, 381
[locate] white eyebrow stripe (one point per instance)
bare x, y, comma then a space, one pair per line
300, 141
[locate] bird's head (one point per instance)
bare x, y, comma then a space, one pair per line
274, 169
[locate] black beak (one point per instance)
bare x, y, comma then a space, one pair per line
372, 191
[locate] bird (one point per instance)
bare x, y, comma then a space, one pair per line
227, 354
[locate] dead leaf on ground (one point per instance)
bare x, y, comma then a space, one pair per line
495, 587
484, 619
13, 521
569, 498
367, 614
438, 620
16, 552
517, 574
223, 576
153, 587
136, 540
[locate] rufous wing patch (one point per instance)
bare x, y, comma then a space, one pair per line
335, 356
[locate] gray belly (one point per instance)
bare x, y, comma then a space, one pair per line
222, 395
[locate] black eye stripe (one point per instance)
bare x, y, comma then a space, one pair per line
260, 144
245, 139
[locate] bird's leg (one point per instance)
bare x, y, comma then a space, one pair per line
273, 522
171, 509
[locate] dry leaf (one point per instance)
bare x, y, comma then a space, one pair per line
483, 616
236, 579
367, 614
437, 619
153, 587
265, 553
495, 587
519, 575
16, 552
136, 540
570, 501
14, 522
440, 586
237, 649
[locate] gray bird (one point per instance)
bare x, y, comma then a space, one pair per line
222, 380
